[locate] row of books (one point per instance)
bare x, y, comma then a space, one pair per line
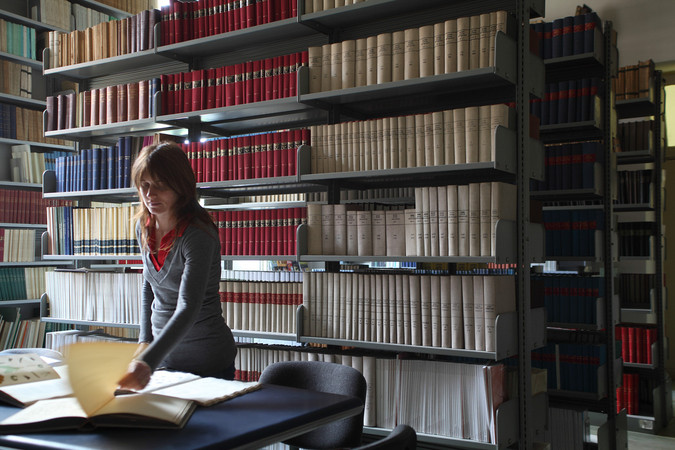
568, 428
312, 6
60, 340
420, 310
635, 290
455, 45
17, 39
263, 155
634, 80
260, 276
16, 332
103, 40
633, 186
22, 283
99, 167
259, 232
131, 6
110, 104
573, 232
94, 296
636, 343
571, 299
635, 238
260, 306
27, 166
23, 124
570, 166
628, 394
634, 136
568, 102
571, 367
464, 135
182, 21
91, 231
66, 15
18, 245
18, 206
466, 396
567, 36
236, 84
455, 220
17, 79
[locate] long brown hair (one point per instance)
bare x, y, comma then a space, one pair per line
166, 162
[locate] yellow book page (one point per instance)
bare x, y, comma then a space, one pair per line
94, 368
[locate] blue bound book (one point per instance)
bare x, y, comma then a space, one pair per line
566, 166
578, 34
584, 100
563, 92
103, 168
571, 101
588, 158
113, 161
576, 165
126, 162
95, 169
553, 104
556, 38
591, 22
568, 36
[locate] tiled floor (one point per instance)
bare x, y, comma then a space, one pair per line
665, 440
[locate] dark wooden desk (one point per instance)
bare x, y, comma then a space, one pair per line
262, 417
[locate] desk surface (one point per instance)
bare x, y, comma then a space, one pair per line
262, 417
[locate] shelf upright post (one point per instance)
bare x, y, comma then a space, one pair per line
523, 85
617, 438
657, 143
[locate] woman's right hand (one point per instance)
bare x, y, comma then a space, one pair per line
137, 376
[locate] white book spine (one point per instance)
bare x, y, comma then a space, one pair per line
468, 312
456, 317
478, 314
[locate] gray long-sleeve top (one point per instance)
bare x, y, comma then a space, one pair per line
181, 314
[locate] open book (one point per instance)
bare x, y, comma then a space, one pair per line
27, 393
94, 368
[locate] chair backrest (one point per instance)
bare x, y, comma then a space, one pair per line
403, 437
323, 377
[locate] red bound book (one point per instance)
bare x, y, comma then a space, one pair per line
235, 159
276, 156
102, 106
283, 154
214, 17
197, 90
93, 116
640, 343
631, 345
287, 61
164, 88
178, 92
122, 103
229, 85
255, 233
231, 173
165, 13
236, 232
248, 81
270, 10
257, 81
208, 161
201, 160
222, 15
177, 22
86, 110
286, 229
188, 149
270, 232
268, 79
220, 148
261, 12
111, 104
248, 157
143, 96
185, 92
235, 15
257, 155
248, 234
239, 92
622, 335
276, 76
218, 88
210, 90
222, 236
227, 223
251, 14
293, 160
267, 156
252, 217
215, 165
284, 12
243, 14
200, 19
189, 17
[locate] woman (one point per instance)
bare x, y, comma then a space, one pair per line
182, 327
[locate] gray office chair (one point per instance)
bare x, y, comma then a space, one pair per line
323, 377
403, 437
